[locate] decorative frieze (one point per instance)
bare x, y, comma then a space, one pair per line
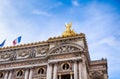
22, 64
5, 56
41, 51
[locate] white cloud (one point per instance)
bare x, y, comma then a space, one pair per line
75, 3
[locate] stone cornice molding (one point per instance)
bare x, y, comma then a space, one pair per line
66, 59
25, 66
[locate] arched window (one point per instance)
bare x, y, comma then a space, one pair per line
65, 66
41, 71
1, 75
19, 73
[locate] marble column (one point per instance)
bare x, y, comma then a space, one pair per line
6, 75
84, 69
31, 73
75, 70
59, 76
49, 71
80, 70
55, 71
26, 74
71, 76
10, 75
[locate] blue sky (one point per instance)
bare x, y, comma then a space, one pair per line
37, 20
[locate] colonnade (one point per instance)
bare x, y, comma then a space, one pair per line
79, 72
28, 74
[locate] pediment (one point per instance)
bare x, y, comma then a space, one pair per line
65, 48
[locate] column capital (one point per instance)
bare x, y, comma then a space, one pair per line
71, 73
59, 74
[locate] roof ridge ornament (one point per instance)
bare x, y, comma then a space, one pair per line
68, 31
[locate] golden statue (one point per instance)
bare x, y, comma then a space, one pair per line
68, 31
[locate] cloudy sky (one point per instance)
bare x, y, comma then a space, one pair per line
37, 20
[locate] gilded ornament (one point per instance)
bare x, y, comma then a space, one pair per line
68, 31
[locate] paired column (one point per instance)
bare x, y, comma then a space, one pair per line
55, 71
26, 74
6, 75
49, 71
75, 70
10, 75
31, 73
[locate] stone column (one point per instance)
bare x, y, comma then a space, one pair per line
71, 76
6, 75
75, 70
84, 70
55, 71
31, 73
59, 76
49, 71
80, 70
10, 75
26, 74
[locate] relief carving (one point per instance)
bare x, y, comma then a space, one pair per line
5, 56
42, 51
23, 53
13, 56
65, 49
32, 53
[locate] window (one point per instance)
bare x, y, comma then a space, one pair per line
19, 73
1, 75
65, 66
41, 71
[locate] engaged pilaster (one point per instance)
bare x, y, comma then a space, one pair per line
26, 74
31, 73
55, 71
10, 75
75, 70
49, 71
84, 70
6, 75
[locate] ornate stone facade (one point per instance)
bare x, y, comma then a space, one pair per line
65, 57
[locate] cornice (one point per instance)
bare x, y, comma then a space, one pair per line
42, 43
